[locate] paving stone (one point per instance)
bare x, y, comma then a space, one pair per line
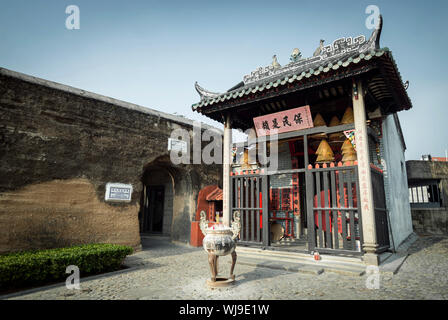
172, 271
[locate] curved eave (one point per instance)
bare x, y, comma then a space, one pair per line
397, 82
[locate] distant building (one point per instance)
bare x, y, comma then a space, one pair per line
428, 194
428, 157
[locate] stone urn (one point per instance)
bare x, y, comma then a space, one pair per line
219, 240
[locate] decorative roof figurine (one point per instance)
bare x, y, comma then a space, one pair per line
406, 85
342, 49
204, 93
275, 63
319, 49
296, 55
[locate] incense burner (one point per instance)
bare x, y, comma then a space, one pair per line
219, 240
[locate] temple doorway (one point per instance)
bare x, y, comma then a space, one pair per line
156, 204
153, 209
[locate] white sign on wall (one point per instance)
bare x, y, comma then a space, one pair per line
177, 145
118, 192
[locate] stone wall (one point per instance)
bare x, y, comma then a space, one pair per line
430, 220
420, 171
59, 146
60, 213
395, 182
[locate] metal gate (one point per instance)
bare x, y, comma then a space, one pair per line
249, 196
381, 214
334, 219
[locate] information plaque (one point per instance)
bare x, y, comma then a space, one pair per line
118, 192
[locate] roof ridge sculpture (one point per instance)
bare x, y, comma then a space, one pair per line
338, 48
205, 93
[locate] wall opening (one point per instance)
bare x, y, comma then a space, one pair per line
156, 203
425, 194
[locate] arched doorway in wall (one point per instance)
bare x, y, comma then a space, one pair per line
156, 204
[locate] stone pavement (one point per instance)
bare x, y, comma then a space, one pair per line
171, 271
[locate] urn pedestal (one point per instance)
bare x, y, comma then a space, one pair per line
219, 241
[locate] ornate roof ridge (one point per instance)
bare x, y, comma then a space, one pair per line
324, 57
290, 78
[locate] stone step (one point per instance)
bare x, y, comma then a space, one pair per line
384, 256
306, 268
393, 264
299, 256
300, 262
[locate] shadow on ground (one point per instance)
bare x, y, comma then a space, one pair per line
425, 241
158, 246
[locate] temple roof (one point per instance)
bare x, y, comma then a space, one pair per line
215, 195
343, 53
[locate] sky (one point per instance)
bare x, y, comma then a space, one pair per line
151, 52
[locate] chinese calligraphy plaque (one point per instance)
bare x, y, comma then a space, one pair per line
284, 121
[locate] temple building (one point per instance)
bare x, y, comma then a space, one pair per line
323, 168
428, 194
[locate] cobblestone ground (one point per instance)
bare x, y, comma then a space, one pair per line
169, 271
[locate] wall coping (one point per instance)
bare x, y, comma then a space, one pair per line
99, 97
430, 209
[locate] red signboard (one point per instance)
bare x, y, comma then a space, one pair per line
284, 121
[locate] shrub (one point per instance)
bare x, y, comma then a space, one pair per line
32, 268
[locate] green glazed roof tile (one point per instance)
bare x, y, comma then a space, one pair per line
290, 78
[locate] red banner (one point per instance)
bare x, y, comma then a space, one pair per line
284, 121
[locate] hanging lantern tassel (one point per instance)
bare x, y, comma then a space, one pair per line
355, 91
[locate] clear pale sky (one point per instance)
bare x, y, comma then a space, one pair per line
151, 52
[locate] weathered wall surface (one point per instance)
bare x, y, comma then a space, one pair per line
59, 213
396, 186
59, 146
419, 170
430, 220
